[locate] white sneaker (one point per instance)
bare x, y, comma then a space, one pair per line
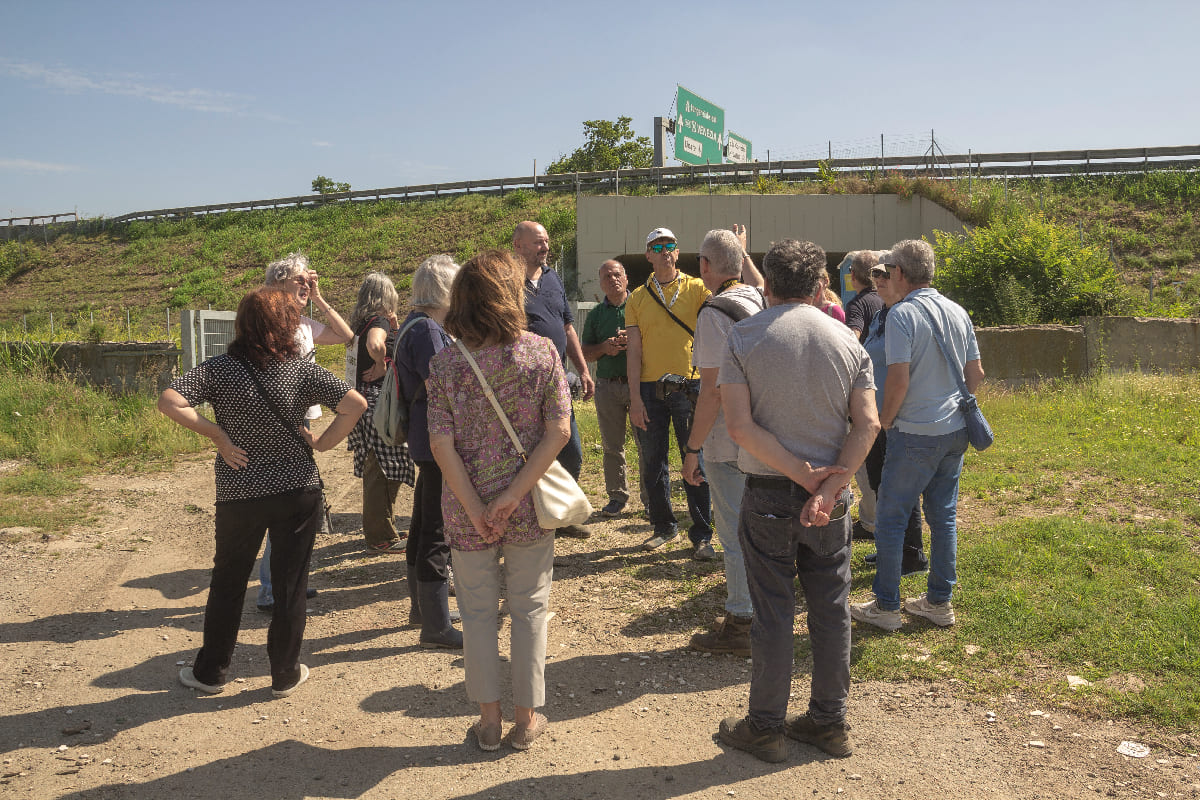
189, 679
941, 614
872, 614
285, 692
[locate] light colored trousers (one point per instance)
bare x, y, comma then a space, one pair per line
727, 484
528, 573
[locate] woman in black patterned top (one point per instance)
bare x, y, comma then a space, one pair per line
267, 480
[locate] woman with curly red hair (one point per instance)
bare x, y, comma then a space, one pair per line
267, 480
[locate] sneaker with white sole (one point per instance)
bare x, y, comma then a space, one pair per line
285, 692
941, 614
189, 679
872, 614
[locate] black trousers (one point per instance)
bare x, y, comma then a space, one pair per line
427, 550
874, 465
291, 521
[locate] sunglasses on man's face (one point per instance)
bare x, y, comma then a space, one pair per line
661, 246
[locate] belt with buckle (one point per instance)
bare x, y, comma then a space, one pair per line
778, 483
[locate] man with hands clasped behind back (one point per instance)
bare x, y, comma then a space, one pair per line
790, 379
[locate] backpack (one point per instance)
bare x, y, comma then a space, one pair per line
390, 417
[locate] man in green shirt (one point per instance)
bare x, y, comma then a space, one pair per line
604, 342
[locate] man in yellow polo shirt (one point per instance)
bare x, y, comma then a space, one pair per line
660, 318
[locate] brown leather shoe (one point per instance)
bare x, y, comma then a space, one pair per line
732, 636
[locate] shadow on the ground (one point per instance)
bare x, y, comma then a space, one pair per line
293, 770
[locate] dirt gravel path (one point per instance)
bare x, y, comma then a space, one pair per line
96, 622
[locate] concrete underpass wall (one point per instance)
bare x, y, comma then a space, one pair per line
609, 227
1018, 355
118, 366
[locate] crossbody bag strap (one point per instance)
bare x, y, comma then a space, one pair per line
262, 390
663, 306
955, 367
491, 396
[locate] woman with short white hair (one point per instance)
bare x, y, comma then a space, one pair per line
428, 553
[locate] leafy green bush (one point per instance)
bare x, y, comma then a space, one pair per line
1023, 269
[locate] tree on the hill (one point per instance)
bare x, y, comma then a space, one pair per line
323, 185
607, 145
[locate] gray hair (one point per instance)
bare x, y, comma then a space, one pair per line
792, 269
915, 259
376, 297
724, 252
287, 268
431, 282
860, 267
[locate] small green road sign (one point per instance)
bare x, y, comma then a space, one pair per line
738, 149
699, 128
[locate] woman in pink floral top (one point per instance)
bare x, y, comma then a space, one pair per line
488, 510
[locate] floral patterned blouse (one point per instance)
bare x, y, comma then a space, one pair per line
528, 379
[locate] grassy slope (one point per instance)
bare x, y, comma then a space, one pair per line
148, 267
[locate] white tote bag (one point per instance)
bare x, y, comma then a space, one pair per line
557, 498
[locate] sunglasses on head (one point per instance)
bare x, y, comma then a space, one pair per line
670, 247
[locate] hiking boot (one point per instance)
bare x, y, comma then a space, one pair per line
731, 636
739, 733
659, 539
612, 508
941, 614
872, 614
860, 533
831, 738
704, 552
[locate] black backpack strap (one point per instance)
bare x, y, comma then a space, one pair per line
729, 307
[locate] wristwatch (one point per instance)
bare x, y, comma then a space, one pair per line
688, 450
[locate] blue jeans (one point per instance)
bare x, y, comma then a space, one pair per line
917, 467
778, 549
266, 595
675, 411
727, 483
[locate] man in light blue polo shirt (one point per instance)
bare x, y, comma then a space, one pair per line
926, 436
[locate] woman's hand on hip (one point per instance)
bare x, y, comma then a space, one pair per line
233, 455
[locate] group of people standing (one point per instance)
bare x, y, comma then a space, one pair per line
753, 372
774, 370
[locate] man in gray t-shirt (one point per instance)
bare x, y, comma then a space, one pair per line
790, 379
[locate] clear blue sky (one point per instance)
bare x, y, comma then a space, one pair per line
116, 107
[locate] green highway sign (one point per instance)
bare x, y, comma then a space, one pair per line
738, 149
699, 127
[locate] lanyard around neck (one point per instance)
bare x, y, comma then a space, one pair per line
727, 284
659, 289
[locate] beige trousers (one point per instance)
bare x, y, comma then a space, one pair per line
528, 572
